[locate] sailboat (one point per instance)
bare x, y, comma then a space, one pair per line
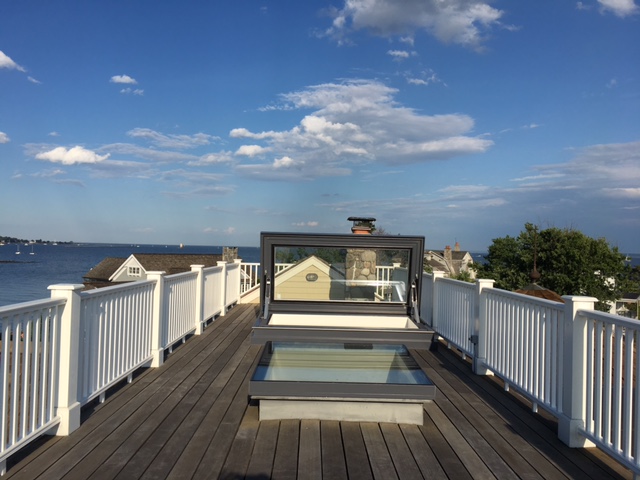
18, 249
32, 252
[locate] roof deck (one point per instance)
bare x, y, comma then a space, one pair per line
190, 418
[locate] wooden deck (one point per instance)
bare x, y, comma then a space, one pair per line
190, 419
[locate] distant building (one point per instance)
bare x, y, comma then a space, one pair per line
113, 270
450, 262
538, 291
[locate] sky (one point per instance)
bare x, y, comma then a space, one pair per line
205, 123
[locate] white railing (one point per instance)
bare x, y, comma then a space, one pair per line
115, 329
523, 344
249, 276
28, 366
60, 353
213, 291
179, 306
578, 364
454, 310
612, 409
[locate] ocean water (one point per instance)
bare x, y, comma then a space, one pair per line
26, 276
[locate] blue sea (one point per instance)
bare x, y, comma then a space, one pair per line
26, 276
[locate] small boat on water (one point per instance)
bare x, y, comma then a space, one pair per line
18, 252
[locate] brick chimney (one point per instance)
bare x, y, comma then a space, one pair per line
447, 254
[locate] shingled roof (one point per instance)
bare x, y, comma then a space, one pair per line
169, 263
175, 263
104, 270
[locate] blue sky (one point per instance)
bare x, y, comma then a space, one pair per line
204, 122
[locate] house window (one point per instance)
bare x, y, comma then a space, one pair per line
134, 271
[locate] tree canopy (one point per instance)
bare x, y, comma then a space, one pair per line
569, 262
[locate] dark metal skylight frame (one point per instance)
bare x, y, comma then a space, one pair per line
417, 335
409, 307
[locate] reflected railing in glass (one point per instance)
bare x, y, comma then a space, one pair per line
340, 274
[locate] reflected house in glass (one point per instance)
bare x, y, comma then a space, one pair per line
339, 315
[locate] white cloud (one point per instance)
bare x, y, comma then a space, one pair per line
285, 162
6, 62
213, 159
53, 134
33, 80
171, 141
72, 156
355, 122
251, 150
132, 91
123, 79
631, 193
4, 138
455, 21
398, 54
620, 8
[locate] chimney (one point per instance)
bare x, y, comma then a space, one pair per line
447, 253
456, 248
362, 225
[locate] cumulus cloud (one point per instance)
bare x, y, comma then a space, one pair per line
250, 150
4, 138
171, 141
455, 21
123, 79
620, 8
6, 62
355, 122
72, 156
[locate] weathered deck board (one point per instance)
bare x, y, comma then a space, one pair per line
190, 419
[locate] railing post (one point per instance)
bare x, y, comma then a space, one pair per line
435, 301
238, 261
199, 297
479, 338
157, 326
67, 402
223, 288
574, 361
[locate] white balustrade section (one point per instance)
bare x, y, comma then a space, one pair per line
454, 304
115, 329
179, 307
612, 403
232, 282
249, 276
28, 366
523, 338
213, 300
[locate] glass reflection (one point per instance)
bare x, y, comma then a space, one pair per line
339, 363
340, 274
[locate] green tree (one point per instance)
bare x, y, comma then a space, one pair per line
569, 262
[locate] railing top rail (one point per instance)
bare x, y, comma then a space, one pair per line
497, 292
111, 289
459, 283
611, 318
18, 308
215, 268
181, 274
